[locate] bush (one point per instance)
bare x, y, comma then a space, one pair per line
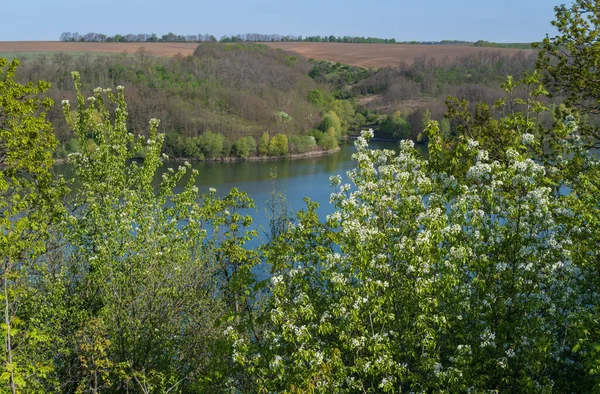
263, 144
73, 146
302, 143
396, 127
278, 145
316, 97
211, 144
317, 135
245, 147
331, 121
191, 149
328, 142
61, 152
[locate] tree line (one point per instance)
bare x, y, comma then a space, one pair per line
252, 37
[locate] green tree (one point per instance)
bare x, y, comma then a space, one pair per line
302, 143
570, 60
211, 144
263, 144
396, 127
245, 146
316, 97
422, 275
328, 142
145, 265
31, 287
278, 146
331, 124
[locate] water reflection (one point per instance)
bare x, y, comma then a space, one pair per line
308, 177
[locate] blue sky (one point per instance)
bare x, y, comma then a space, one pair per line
498, 20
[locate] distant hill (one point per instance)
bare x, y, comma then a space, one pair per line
381, 55
362, 55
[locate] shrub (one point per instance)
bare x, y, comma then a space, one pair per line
302, 143
73, 146
245, 147
211, 144
278, 145
396, 127
316, 97
331, 121
263, 144
328, 142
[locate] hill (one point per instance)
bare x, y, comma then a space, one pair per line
362, 55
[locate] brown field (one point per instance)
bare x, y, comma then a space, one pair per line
363, 55
157, 48
380, 55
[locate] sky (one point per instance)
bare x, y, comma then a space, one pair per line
404, 20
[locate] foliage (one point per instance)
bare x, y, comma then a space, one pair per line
235, 90
245, 147
331, 124
211, 144
278, 146
515, 45
459, 273
263, 144
302, 143
570, 60
144, 264
328, 141
395, 127
474, 270
316, 97
29, 203
337, 75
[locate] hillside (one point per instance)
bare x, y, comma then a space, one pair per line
382, 55
224, 100
362, 55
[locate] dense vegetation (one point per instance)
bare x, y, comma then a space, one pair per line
475, 270
217, 103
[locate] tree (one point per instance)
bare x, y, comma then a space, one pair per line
462, 272
263, 144
278, 146
28, 206
570, 60
153, 275
245, 147
316, 97
396, 127
331, 124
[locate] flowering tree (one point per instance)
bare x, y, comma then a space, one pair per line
152, 272
465, 272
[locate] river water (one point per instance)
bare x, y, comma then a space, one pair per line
294, 178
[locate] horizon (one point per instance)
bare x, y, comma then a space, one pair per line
434, 21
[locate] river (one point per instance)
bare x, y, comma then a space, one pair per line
296, 179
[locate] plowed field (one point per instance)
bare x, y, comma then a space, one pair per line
363, 55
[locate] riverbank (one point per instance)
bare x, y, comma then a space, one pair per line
293, 156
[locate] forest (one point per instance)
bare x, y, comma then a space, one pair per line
227, 98
221, 102
472, 270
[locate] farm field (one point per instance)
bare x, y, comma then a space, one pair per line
159, 48
381, 55
362, 55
